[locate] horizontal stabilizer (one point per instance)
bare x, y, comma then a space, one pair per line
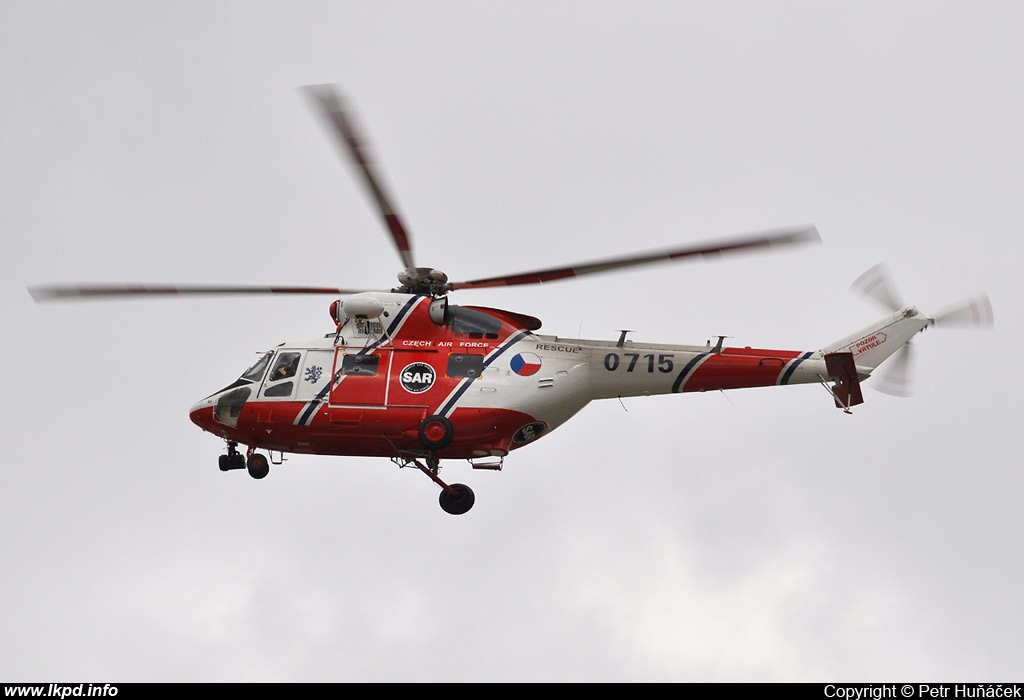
846, 390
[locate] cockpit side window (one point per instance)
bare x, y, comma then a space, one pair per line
286, 366
283, 389
475, 324
256, 372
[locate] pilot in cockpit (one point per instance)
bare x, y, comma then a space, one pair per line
286, 366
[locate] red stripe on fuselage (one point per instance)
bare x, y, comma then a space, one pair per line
736, 368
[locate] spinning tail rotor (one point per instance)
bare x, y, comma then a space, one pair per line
877, 284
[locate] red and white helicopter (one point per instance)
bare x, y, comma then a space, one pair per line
404, 374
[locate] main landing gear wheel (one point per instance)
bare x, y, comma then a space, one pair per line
456, 499
258, 465
436, 432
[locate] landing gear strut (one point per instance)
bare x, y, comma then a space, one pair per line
233, 459
436, 433
257, 465
455, 499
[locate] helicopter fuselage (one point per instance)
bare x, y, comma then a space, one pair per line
490, 383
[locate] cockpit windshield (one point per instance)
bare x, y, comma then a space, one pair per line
256, 372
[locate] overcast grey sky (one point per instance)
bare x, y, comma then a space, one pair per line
759, 535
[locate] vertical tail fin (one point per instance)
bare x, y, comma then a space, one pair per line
876, 343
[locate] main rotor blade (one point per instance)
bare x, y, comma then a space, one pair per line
711, 250
342, 120
69, 292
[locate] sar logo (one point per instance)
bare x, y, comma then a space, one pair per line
529, 433
417, 377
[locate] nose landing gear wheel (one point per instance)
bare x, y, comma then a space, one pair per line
458, 500
229, 462
258, 465
233, 459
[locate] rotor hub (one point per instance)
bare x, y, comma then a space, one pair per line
422, 280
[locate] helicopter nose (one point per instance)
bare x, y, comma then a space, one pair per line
201, 413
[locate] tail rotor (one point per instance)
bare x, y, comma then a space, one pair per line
877, 284
975, 312
895, 379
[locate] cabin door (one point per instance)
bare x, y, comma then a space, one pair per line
361, 377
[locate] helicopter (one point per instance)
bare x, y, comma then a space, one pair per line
404, 374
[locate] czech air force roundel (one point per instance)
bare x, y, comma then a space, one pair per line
526, 364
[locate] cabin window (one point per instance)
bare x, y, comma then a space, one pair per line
475, 324
286, 366
460, 365
364, 365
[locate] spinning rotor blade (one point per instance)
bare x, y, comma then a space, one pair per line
114, 291
342, 122
974, 312
877, 284
769, 239
895, 379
